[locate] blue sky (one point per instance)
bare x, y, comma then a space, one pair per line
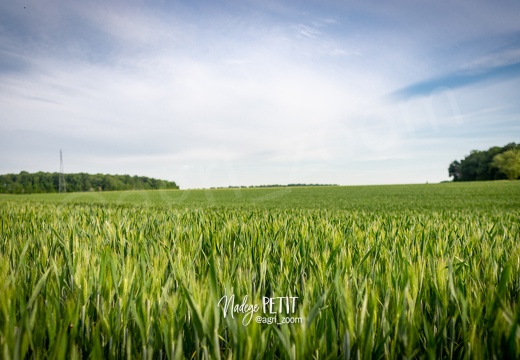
218, 93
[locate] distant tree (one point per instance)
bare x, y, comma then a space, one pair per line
493, 172
479, 165
455, 171
508, 162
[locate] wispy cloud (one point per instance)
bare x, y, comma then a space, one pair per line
504, 64
456, 80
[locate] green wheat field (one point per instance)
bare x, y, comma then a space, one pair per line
371, 272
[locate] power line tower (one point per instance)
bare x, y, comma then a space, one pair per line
62, 185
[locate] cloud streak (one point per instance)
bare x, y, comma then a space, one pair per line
495, 67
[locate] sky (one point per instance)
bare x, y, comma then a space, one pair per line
227, 93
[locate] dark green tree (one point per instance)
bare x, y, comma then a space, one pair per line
455, 171
479, 165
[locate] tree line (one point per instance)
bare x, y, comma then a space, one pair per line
45, 182
496, 163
